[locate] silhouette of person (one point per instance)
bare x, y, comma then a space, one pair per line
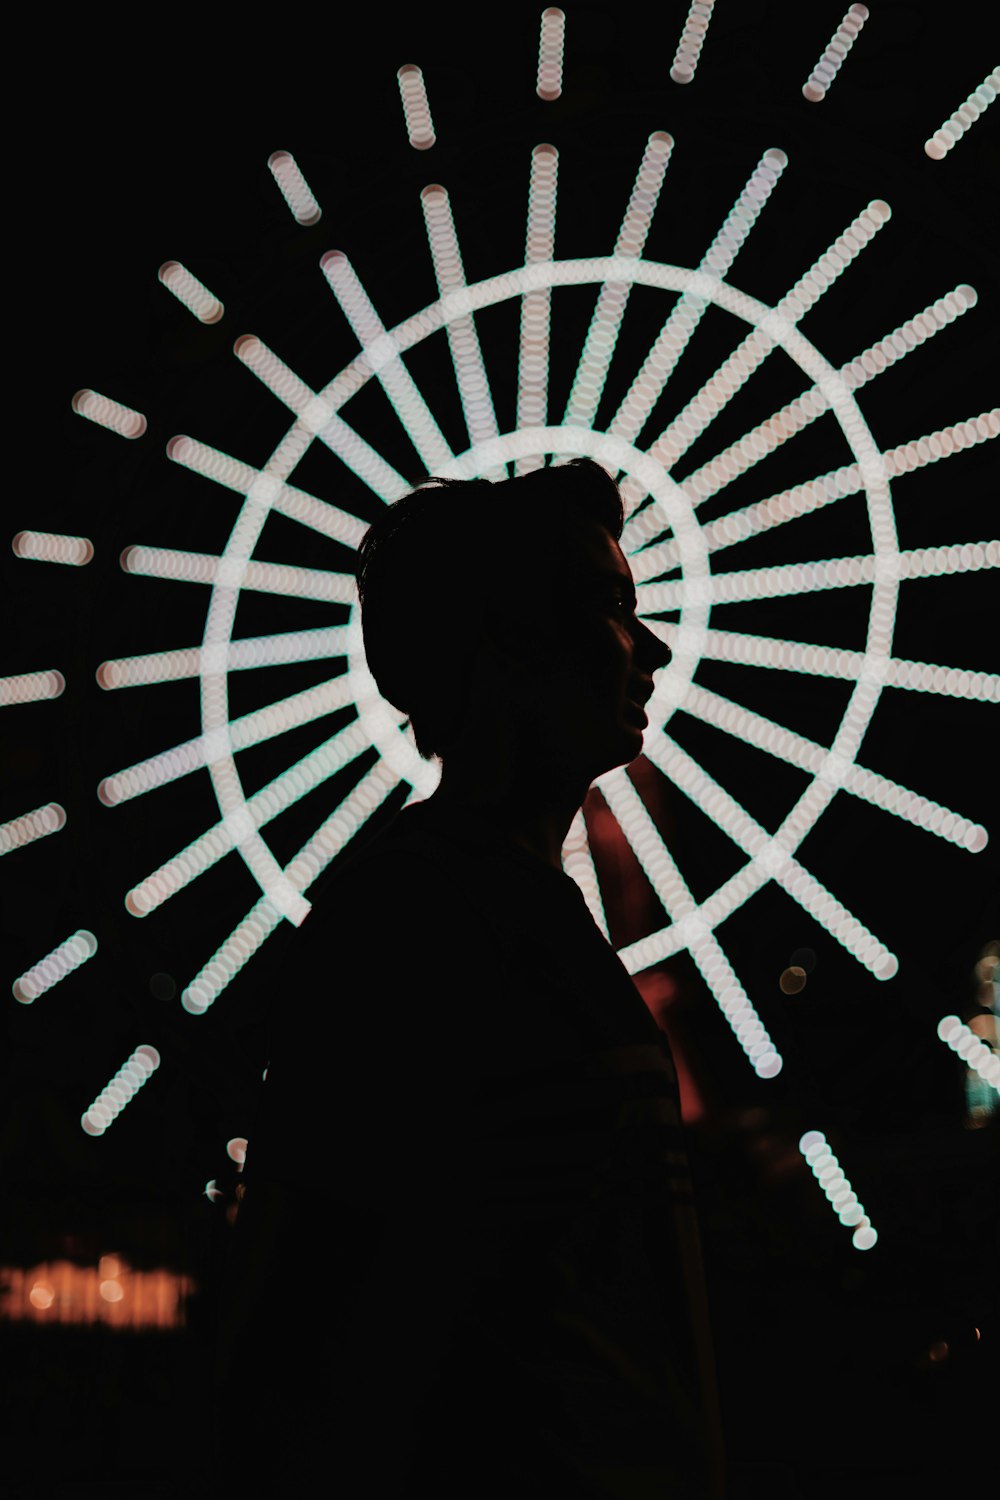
467, 1259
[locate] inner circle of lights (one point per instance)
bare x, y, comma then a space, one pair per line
768, 855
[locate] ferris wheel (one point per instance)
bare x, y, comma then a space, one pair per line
674, 552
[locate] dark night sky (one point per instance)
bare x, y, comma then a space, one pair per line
163, 154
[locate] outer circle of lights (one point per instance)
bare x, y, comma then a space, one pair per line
383, 724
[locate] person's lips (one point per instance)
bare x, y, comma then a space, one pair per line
641, 693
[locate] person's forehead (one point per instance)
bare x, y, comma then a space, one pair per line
587, 553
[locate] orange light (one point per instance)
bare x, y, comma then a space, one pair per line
793, 980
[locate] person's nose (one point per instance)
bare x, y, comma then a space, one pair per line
652, 652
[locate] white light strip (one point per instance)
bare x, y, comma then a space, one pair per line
551, 41
298, 505
294, 188
831, 61
765, 850
320, 420
841, 1196
676, 333
463, 341
416, 109
314, 856
53, 547
833, 661
213, 682
602, 335
834, 573
31, 826
736, 370
774, 739
251, 729
802, 499
123, 1086
973, 1052
241, 655
384, 358
195, 296
110, 414
953, 129
266, 578
578, 862
55, 966
209, 847
798, 414
30, 687
647, 845
692, 40
533, 354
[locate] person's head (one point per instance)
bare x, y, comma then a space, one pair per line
512, 600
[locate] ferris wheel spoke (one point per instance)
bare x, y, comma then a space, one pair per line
832, 58
951, 132
53, 547
298, 505
219, 745
416, 107
536, 306
646, 842
578, 862
31, 687
55, 966
795, 749
312, 859
803, 499
749, 355
832, 573
262, 577
280, 793
241, 655
833, 661
117, 418
463, 340
766, 850
16, 833
677, 331
797, 415
319, 418
612, 299
298, 195
384, 356
692, 39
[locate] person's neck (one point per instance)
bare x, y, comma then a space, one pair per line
531, 810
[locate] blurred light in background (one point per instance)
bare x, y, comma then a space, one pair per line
294, 188
841, 1196
793, 980
188, 289
110, 414
551, 42
30, 687
236, 1149
111, 1293
830, 63
30, 826
53, 547
953, 129
55, 966
533, 355
122, 1088
416, 109
691, 42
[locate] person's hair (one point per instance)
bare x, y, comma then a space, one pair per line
428, 572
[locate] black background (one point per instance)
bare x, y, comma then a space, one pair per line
144, 150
